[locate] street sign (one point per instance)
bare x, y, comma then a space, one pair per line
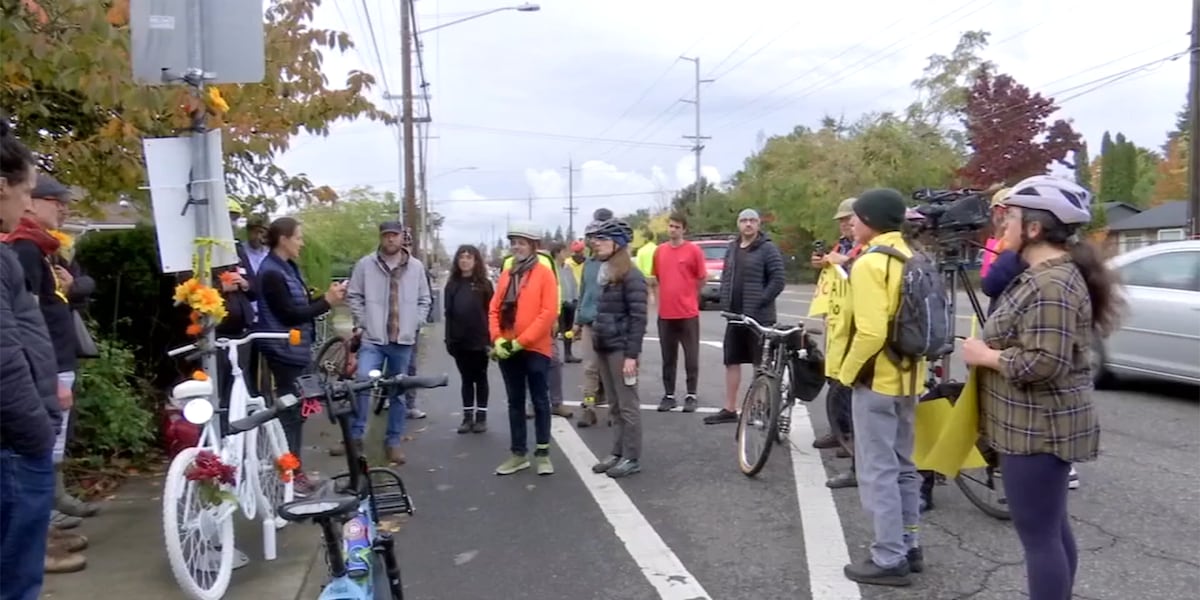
169, 166
230, 36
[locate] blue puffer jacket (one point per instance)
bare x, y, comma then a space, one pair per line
589, 292
284, 311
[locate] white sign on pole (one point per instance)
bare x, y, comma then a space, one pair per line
169, 165
231, 39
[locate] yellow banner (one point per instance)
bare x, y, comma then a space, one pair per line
947, 433
820, 301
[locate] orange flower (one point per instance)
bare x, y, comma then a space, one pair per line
194, 330
227, 277
185, 290
286, 465
199, 375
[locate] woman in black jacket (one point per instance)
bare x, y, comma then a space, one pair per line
467, 295
617, 332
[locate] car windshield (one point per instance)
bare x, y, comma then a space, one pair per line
714, 252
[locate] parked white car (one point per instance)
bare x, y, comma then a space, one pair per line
1159, 338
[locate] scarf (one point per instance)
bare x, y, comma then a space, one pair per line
31, 230
508, 307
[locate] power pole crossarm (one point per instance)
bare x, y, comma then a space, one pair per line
698, 138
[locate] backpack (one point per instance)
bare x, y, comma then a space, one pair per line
923, 327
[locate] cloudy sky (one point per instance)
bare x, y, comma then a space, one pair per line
515, 95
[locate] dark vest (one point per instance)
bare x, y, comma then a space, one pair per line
280, 350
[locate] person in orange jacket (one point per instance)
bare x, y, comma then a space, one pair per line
521, 319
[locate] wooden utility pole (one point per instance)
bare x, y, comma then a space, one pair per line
411, 215
1194, 117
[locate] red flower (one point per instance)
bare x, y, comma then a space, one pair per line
208, 467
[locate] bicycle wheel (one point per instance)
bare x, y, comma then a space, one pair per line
330, 360
272, 489
758, 424
381, 586
199, 538
984, 488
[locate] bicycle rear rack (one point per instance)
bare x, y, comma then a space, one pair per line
391, 497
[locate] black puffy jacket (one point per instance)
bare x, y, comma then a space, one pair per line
29, 412
620, 322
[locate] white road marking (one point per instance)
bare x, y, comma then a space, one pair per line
658, 563
717, 345
654, 407
824, 539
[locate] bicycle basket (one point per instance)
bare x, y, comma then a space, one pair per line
808, 373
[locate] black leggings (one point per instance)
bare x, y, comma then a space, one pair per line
285, 376
473, 367
1036, 488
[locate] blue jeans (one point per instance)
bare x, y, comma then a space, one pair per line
371, 357
26, 498
527, 371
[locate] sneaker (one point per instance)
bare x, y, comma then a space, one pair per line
606, 464
625, 468
543, 464
690, 404
75, 507
395, 455
1073, 479
722, 416
869, 573
667, 403
514, 463
61, 520
916, 559
58, 560
416, 413
826, 442
844, 480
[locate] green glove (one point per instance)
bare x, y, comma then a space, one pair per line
501, 348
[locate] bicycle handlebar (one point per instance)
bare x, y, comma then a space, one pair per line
767, 330
292, 336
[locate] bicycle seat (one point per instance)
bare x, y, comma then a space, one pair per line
324, 506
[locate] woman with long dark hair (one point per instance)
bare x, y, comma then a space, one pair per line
467, 296
1035, 378
286, 305
617, 333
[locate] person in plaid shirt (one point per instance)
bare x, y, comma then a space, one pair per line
1035, 377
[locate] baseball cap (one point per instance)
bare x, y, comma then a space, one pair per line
748, 213
391, 227
845, 209
48, 188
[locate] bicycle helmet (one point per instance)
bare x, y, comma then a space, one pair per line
577, 246
1069, 202
234, 206
524, 229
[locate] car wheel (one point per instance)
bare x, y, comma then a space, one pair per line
1096, 360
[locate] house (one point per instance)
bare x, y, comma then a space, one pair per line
1116, 211
114, 216
1166, 222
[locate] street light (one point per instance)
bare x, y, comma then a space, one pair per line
527, 7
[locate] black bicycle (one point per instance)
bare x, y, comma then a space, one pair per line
361, 556
791, 368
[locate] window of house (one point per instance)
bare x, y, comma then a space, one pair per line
1173, 271
1171, 235
1132, 241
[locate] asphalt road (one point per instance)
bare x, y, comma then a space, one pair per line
691, 526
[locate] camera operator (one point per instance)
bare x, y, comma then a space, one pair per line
837, 335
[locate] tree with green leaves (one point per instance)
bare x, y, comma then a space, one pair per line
1083, 164
945, 85
68, 83
348, 229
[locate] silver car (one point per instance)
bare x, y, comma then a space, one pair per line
1159, 338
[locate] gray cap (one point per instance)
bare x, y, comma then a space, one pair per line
748, 213
844, 209
48, 188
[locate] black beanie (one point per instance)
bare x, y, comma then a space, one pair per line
881, 209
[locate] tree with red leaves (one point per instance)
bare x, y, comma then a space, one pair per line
1008, 132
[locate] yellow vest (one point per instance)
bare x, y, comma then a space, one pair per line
645, 258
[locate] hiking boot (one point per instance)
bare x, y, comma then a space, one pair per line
690, 403
395, 455
61, 520
480, 425
722, 416
606, 464
916, 559
667, 403
467, 423
869, 573
587, 418
561, 411
826, 442
625, 468
844, 480
543, 464
514, 463
70, 505
59, 560
66, 541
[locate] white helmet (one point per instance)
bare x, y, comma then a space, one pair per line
524, 229
1065, 199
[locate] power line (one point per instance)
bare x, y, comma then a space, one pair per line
540, 198
560, 136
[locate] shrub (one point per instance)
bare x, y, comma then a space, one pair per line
113, 411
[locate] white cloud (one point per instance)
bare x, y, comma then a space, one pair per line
576, 68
